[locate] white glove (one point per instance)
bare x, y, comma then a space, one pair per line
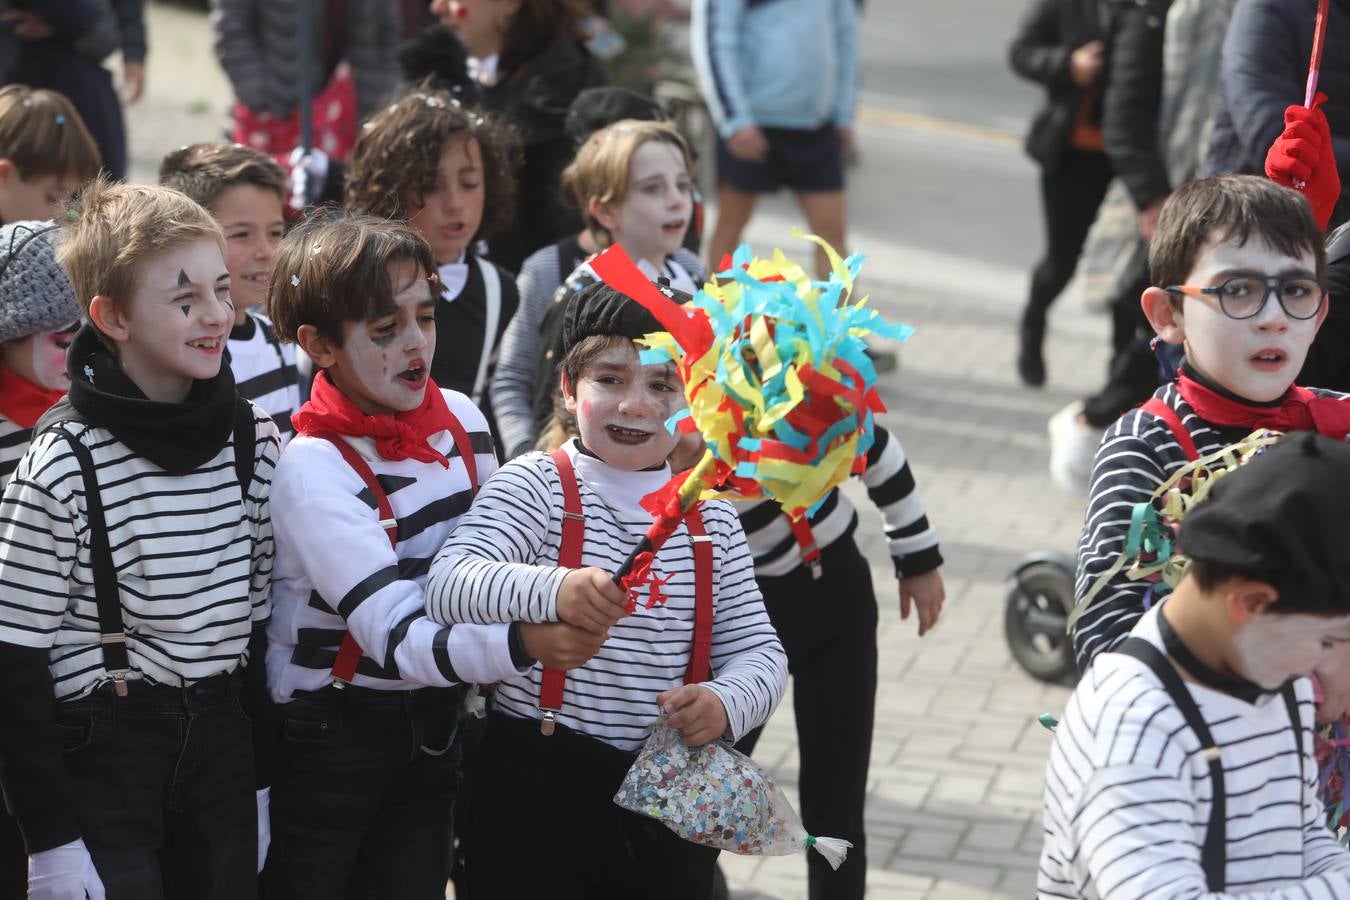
309, 171
264, 825
64, 873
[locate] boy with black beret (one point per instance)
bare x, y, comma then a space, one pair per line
539, 546
1184, 764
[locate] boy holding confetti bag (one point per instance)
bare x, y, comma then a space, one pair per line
573, 738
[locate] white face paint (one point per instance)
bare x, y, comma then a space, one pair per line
621, 408
41, 358
1273, 648
384, 363
1255, 358
650, 221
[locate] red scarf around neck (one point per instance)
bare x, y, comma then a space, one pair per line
21, 401
401, 436
1299, 410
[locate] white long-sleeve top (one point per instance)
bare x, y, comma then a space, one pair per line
1127, 793
500, 565
336, 571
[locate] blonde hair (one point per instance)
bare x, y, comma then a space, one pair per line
113, 228
42, 134
600, 170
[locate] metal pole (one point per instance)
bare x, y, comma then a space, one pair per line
306, 54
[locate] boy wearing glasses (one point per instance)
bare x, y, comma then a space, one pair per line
1237, 266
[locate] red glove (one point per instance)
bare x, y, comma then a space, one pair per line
1302, 158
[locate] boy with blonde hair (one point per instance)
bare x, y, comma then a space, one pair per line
135, 563
243, 190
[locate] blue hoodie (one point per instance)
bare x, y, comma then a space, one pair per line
776, 63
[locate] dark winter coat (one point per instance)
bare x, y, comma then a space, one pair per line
1265, 69
1133, 102
1047, 38
534, 99
256, 42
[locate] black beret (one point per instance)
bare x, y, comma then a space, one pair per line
600, 309
597, 107
1283, 518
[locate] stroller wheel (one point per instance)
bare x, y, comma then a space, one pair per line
1035, 618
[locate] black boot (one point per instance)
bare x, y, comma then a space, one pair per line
1030, 362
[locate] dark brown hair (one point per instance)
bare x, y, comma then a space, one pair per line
535, 25
1201, 213
42, 134
205, 171
398, 153
329, 272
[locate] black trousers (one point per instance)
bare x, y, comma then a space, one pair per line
1133, 373
544, 823
1070, 196
829, 630
362, 795
164, 789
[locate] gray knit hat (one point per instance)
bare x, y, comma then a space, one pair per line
35, 294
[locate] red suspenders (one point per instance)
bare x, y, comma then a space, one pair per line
806, 542
1173, 422
349, 653
569, 557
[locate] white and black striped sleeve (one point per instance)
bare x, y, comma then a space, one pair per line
481, 574
890, 485
748, 662
327, 522
40, 530
1126, 472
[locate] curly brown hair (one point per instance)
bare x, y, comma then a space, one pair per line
398, 153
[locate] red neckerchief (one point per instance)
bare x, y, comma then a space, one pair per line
21, 401
402, 436
1299, 410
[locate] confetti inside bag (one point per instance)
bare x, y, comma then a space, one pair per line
716, 796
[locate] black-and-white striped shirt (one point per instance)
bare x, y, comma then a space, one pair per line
14, 440
500, 565
193, 568
264, 370
1127, 793
1137, 454
336, 570
890, 485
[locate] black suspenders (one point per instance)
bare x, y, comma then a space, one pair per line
107, 595
1214, 852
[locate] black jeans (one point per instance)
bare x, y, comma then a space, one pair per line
544, 824
1070, 196
829, 631
163, 787
362, 795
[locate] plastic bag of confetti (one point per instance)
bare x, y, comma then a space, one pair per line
716, 796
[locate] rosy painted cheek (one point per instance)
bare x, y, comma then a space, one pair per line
585, 409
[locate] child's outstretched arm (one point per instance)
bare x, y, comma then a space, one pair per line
747, 658
321, 520
1126, 472
913, 541
488, 570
